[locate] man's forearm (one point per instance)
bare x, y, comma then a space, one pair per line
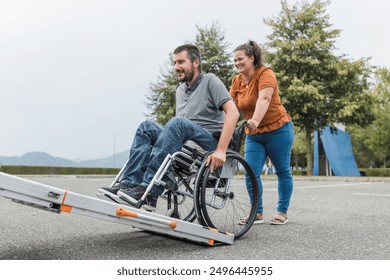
228, 129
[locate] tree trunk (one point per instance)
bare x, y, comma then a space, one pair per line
309, 153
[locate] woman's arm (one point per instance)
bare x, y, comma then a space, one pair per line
262, 104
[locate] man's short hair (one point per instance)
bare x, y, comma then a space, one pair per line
193, 53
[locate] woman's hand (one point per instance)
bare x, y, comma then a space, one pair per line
252, 124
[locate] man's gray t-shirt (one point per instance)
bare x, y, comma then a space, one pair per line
201, 103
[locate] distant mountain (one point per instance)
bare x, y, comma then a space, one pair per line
37, 159
44, 159
117, 161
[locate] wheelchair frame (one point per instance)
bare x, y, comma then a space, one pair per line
207, 194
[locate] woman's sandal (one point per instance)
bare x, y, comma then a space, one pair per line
258, 220
279, 219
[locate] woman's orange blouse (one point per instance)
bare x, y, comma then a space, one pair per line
245, 96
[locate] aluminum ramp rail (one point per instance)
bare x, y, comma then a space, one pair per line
57, 200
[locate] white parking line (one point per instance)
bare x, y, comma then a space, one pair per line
372, 194
337, 185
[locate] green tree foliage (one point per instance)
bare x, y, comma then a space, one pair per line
298, 149
215, 59
372, 143
161, 99
317, 87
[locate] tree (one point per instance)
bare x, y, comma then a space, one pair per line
298, 148
161, 100
317, 87
379, 140
215, 59
375, 138
363, 155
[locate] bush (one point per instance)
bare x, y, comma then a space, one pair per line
299, 172
376, 172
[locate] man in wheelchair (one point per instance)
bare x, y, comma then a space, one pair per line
203, 108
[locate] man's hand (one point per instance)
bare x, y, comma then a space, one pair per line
216, 159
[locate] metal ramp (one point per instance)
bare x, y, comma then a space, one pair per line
57, 200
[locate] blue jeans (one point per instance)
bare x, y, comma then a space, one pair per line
153, 142
277, 145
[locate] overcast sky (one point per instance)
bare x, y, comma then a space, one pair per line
74, 74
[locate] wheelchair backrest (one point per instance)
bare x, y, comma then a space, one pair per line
238, 135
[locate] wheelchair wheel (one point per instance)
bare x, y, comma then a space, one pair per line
222, 198
179, 203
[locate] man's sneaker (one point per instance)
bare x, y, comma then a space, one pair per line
112, 193
133, 195
150, 203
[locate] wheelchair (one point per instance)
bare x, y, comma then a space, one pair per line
218, 199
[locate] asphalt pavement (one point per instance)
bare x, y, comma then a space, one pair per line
330, 218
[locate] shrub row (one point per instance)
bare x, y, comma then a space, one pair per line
53, 170
375, 172
369, 172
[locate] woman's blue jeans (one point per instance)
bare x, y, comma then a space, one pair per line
153, 142
277, 146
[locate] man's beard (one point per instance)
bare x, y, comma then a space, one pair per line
188, 76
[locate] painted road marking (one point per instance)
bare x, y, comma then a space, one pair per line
337, 185
372, 194
329, 186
